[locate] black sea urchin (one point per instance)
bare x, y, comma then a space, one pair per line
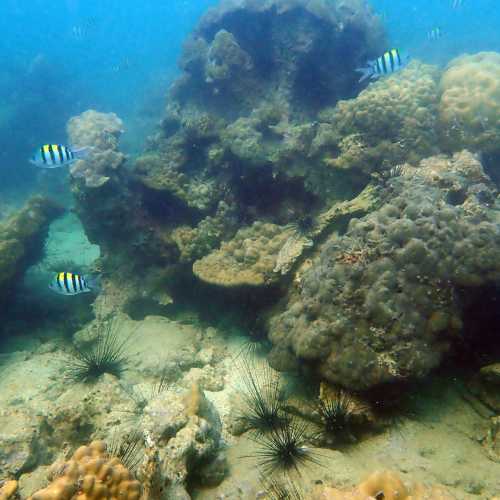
282, 488
262, 409
105, 355
337, 418
128, 449
284, 449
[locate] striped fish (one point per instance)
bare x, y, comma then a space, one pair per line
435, 34
57, 155
456, 4
70, 284
388, 63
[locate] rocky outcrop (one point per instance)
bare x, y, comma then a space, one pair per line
22, 238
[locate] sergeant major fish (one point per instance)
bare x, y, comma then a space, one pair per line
390, 62
71, 284
56, 155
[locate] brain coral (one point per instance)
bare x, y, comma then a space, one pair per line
90, 474
469, 109
392, 121
380, 303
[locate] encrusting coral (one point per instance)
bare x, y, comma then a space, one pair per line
392, 121
385, 485
90, 474
469, 108
380, 303
22, 237
249, 259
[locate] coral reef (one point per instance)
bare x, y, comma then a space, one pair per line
392, 121
387, 485
380, 303
8, 490
90, 474
470, 103
22, 238
234, 146
101, 132
248, 259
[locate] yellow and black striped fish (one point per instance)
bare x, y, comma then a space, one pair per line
70, 284
57, 155
390, 62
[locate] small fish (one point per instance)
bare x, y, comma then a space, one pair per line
83, 30
435, 34
456, 4
390, 62
122, 65
56, 155
71, 284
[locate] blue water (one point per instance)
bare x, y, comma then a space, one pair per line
61, 57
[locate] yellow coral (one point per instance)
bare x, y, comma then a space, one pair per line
90, 474
8, 489
386, 485
469, 109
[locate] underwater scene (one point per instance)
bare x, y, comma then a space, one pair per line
250, 249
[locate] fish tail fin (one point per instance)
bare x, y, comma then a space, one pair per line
94, 282
82, 153
365, 73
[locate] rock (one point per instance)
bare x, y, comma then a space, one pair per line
21, 446
491, 373
186, 430
22, 238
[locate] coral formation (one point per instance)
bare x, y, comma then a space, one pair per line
469, 107
234, 146
249, 259
380, 303
90, 474
101, 132
387, 485
22, 237
392, 121
8, 489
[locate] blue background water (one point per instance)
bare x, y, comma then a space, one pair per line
126, 53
